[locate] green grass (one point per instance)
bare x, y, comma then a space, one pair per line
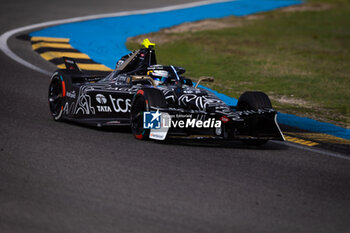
303, 57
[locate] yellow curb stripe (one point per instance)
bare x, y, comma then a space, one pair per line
51, 45
49, 39
321, 137
49, 42
311, 143
300, 141
53, 55
97, 67
94, 67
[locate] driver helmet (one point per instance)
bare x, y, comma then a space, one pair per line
159, 76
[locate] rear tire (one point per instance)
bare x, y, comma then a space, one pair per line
55, 97
253, 100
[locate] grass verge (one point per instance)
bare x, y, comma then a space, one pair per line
299, 56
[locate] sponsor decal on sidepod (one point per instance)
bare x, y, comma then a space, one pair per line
118, 104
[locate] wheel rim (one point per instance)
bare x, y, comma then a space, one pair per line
55, 96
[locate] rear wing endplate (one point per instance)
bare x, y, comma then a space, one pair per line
71, 64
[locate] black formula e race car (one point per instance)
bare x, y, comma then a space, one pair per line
158, 102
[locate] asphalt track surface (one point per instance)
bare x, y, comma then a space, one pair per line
59, 177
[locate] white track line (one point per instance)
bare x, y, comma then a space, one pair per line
5, 36
315, 150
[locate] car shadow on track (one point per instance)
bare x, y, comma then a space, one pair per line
229, 144
116, 129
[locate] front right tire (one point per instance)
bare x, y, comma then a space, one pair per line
253, 100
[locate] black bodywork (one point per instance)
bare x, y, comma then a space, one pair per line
107, 100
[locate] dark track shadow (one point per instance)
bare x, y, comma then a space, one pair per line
117, 129
230, 144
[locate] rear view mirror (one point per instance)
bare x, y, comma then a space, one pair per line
204, 79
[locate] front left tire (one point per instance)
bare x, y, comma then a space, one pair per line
143, 100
